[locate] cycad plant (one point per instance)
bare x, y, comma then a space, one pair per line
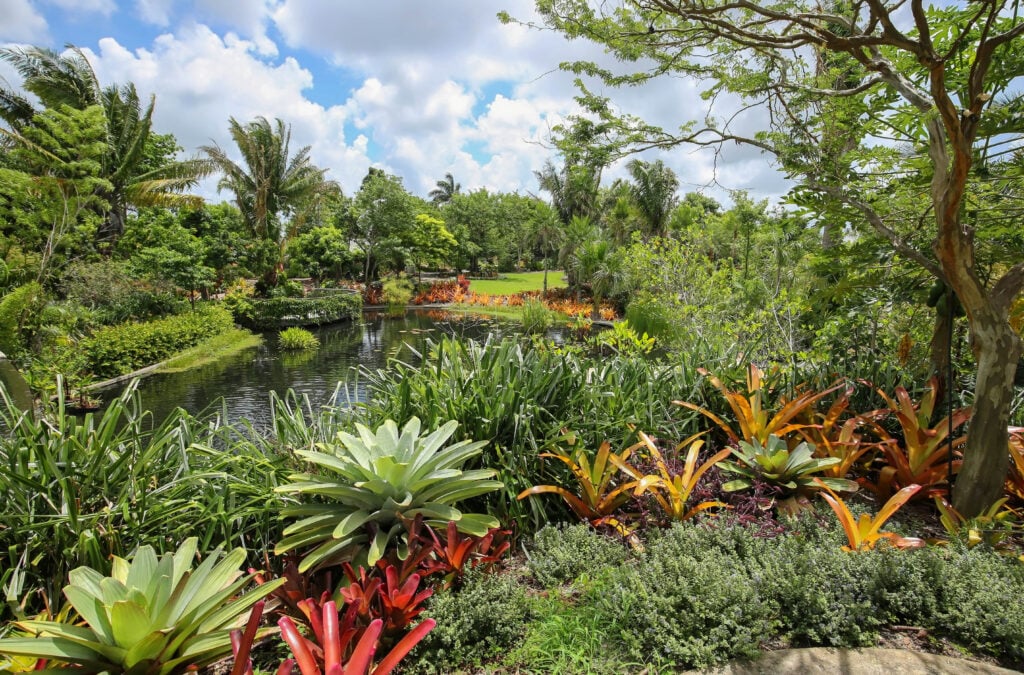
151, 616
370, 485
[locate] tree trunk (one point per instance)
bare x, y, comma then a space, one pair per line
939, 352
986, 460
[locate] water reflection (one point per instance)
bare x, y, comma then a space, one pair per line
241, 384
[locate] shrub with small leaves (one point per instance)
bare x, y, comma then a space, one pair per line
562, 554
483, 618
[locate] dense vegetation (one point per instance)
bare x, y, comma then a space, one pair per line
762, 454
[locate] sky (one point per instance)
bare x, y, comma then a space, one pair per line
414, 88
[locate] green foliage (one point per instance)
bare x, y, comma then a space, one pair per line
19, 309
269, 313
687, 607
115, 293
79, 490
376, 483
566, 637
520, 399
475, 623
152, 615
793, 471
295, 338
117, 350
398, 292
536, 317
623, 339
563, 554
322, 253
650, 315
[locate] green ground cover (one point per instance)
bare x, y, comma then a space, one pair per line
217, 347
517, 282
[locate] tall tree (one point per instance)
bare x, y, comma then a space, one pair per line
131, 176
274, 189
446, 189
925, 77
383, 216
654, 191
49, 191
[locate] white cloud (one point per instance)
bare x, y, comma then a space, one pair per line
22, 23
156, 12
428, 87
202, 79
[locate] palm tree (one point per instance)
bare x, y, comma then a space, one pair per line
573, 189
274, 191
68, 79
595, 261
654, 191
445, 190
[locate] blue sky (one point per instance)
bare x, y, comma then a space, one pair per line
417, 89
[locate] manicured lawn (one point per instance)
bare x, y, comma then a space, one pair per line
517, 282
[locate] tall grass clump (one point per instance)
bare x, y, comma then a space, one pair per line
77, 491
536, 317
297, 339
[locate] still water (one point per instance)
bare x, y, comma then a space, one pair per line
241, 384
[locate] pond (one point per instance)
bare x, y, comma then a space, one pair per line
242, 383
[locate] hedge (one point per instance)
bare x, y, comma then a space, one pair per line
121, 349
313, 311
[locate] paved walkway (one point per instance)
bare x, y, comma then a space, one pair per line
874, 661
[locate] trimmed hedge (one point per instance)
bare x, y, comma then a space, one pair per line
121, 349
312, 311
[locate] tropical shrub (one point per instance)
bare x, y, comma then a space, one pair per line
340, 649
296, 338
440, 292
754, 417
623, 339
18, 310
521, 398
832, 436
120, 349
864, 532
921, 455
600, 496
398, 293
992, 526
115, 294
372, 483
454, 553
685, 606
648, 315
151, 615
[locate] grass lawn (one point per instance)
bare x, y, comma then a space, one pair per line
217, 347
517, 282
